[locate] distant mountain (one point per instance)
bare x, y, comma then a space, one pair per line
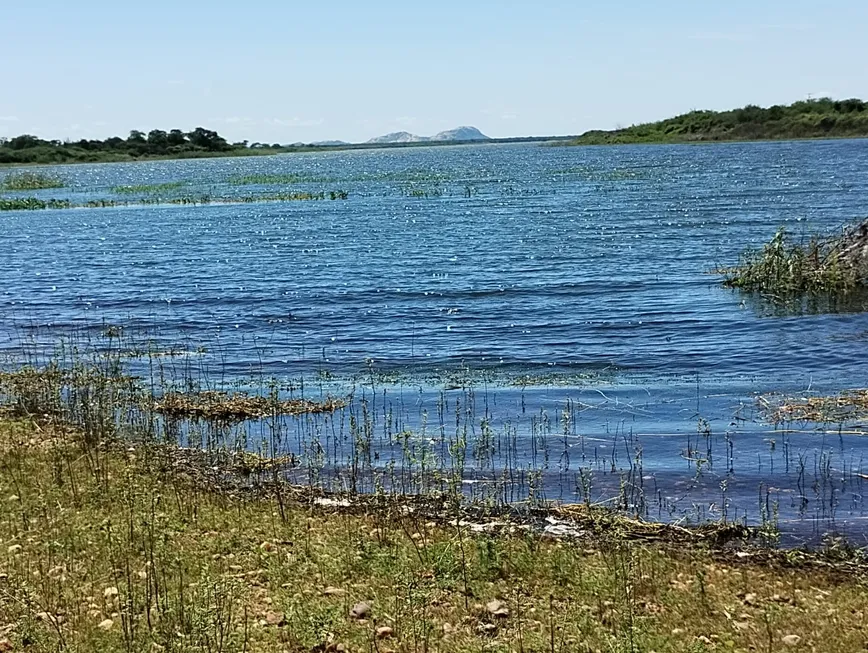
398, 137
329, 143
460, 134
457, 134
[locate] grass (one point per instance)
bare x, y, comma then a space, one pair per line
30, 181
785, 268
144, 189
837, 409
138, 547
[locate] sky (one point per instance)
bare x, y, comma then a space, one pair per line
285, 71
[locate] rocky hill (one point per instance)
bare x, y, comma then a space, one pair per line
458, 134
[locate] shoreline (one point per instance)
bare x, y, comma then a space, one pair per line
108, 545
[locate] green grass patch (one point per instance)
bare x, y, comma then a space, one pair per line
31, 204
30, 181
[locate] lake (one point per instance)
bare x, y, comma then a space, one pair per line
561, 299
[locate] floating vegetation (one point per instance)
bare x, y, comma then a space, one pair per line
238, 406
34, 203
31, 204
836, 265
424, 192
589, 173
30, 181
839, 408
276, 180
144, 189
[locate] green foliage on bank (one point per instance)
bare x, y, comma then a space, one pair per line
820, 118
157, 143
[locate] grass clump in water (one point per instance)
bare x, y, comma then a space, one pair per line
30, 181
31, 204
840, 408
146, 189
238, 406
782, 267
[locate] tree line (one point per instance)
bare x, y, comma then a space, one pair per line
156, 143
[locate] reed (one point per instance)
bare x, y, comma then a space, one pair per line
834, 266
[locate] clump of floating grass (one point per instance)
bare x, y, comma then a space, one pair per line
836, 265
30, 181
275, 180
35, 204
31, 204
238, 406
146, 189
839, 408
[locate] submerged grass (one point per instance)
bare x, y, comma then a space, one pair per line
34, 203
144, 189
108, 547
835, 266
30, 181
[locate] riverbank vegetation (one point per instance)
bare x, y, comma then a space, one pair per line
835, 265
818, 118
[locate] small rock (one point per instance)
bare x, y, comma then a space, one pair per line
791, 640
360, 610
274, 618
14, 549
497, 608
750, 598
383, 632
106, 624
677, 631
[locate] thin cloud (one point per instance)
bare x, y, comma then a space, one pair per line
297, 122
8, 118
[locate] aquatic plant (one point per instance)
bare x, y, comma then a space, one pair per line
31, 204
34, 203
782, 267
142, 189
30, 181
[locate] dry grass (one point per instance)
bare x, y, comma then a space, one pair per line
840, 408
114, 548
238, 406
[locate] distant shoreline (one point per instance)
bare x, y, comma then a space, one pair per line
818, 119
109, 157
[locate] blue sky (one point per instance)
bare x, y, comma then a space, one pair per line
285, 71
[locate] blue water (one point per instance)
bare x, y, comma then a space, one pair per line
582, 270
